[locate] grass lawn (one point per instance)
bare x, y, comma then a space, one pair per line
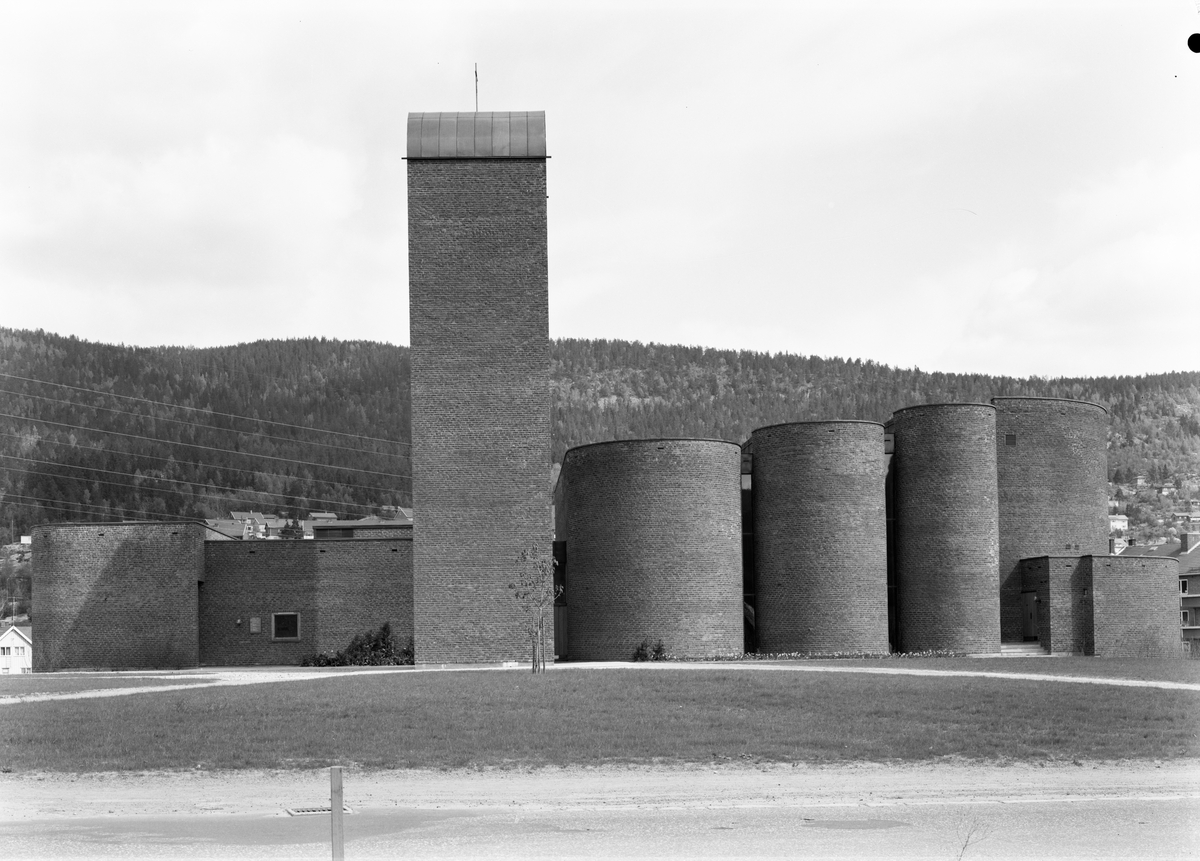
583, 717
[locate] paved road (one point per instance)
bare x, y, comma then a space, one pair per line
1099, 810
1146, 828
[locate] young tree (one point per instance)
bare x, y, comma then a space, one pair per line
534, 591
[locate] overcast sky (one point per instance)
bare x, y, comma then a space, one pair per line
999, 188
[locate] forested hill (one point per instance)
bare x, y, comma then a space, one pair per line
73, 454
69, 453
610, 389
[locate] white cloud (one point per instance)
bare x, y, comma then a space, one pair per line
960, 186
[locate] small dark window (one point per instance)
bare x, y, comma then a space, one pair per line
285, 626
1183, 587
1010, 439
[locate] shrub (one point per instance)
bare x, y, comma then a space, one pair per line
646, 652
370, 649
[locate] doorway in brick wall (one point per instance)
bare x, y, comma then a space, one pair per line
1029, 625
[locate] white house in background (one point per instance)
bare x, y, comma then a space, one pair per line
16, 650
1118, 523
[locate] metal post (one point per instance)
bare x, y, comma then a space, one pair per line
335, 811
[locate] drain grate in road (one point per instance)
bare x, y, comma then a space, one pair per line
314, 811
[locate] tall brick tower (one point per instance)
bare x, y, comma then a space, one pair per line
479, 316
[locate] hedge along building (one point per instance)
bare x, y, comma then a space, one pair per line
479, 316
817, 485
1052, 475
653, 549
158, 595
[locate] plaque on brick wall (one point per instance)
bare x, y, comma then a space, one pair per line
255, 625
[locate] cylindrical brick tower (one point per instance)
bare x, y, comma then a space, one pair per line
947, 534
820, 537
654, 543
116, 595
1052, 469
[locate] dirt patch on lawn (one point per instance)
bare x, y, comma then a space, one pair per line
51, 796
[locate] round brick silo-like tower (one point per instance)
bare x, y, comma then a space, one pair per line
820, 537
1052, 466
653, 548
116, 595
946, 523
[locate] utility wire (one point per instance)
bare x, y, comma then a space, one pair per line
61, 505
225, 468
202, 410
149, 478
197, 424
205, 447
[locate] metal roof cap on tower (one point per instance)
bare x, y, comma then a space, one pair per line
490, 134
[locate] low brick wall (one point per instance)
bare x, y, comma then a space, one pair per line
116, 595
1135, 604
339, 588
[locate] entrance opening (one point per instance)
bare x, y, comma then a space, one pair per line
1029, 621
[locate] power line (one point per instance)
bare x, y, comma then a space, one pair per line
205, 447
226, 468
61, 505
202, 410
167, 490
197, 424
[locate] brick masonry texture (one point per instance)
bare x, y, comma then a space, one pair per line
653, 548
946, 528
1064, 589
479, 312
1135, 606
816, 486
116, 596
1053, 490
340, 588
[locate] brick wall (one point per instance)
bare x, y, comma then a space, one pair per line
654, 548
820, 543
1135, 605
340, 589
946, 532
478, 285
1064, 589
1052, 473
116, 595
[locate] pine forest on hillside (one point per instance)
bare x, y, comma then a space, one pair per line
93, 431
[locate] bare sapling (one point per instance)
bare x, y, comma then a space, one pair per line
535, 593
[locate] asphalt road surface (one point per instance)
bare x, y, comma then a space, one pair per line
934, 812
